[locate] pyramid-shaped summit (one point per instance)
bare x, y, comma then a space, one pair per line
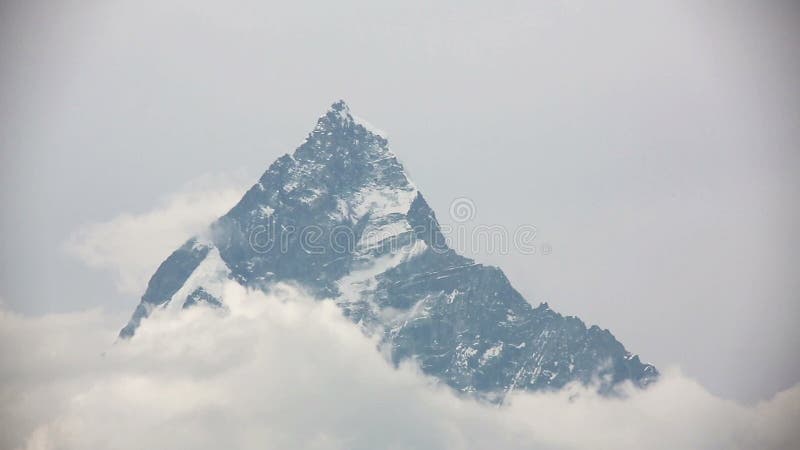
341, 217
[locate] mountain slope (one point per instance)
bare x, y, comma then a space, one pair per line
340, 217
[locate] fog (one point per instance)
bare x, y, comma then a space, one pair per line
286, 371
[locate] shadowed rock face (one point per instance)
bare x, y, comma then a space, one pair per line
341, 218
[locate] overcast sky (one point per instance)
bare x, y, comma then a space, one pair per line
655, 147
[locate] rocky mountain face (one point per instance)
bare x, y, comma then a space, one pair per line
340, 217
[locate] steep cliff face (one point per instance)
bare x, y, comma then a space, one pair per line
340, 217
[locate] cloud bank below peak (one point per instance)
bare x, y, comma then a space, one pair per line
285, 371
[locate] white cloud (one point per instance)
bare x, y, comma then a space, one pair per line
131, 246
284, 371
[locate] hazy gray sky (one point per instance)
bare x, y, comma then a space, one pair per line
656, 147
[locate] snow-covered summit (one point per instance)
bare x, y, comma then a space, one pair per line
338, 116
341, 217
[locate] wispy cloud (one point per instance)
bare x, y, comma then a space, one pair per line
131, 245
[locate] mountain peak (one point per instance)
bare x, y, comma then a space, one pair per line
340, 106
339, 118
341, 218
